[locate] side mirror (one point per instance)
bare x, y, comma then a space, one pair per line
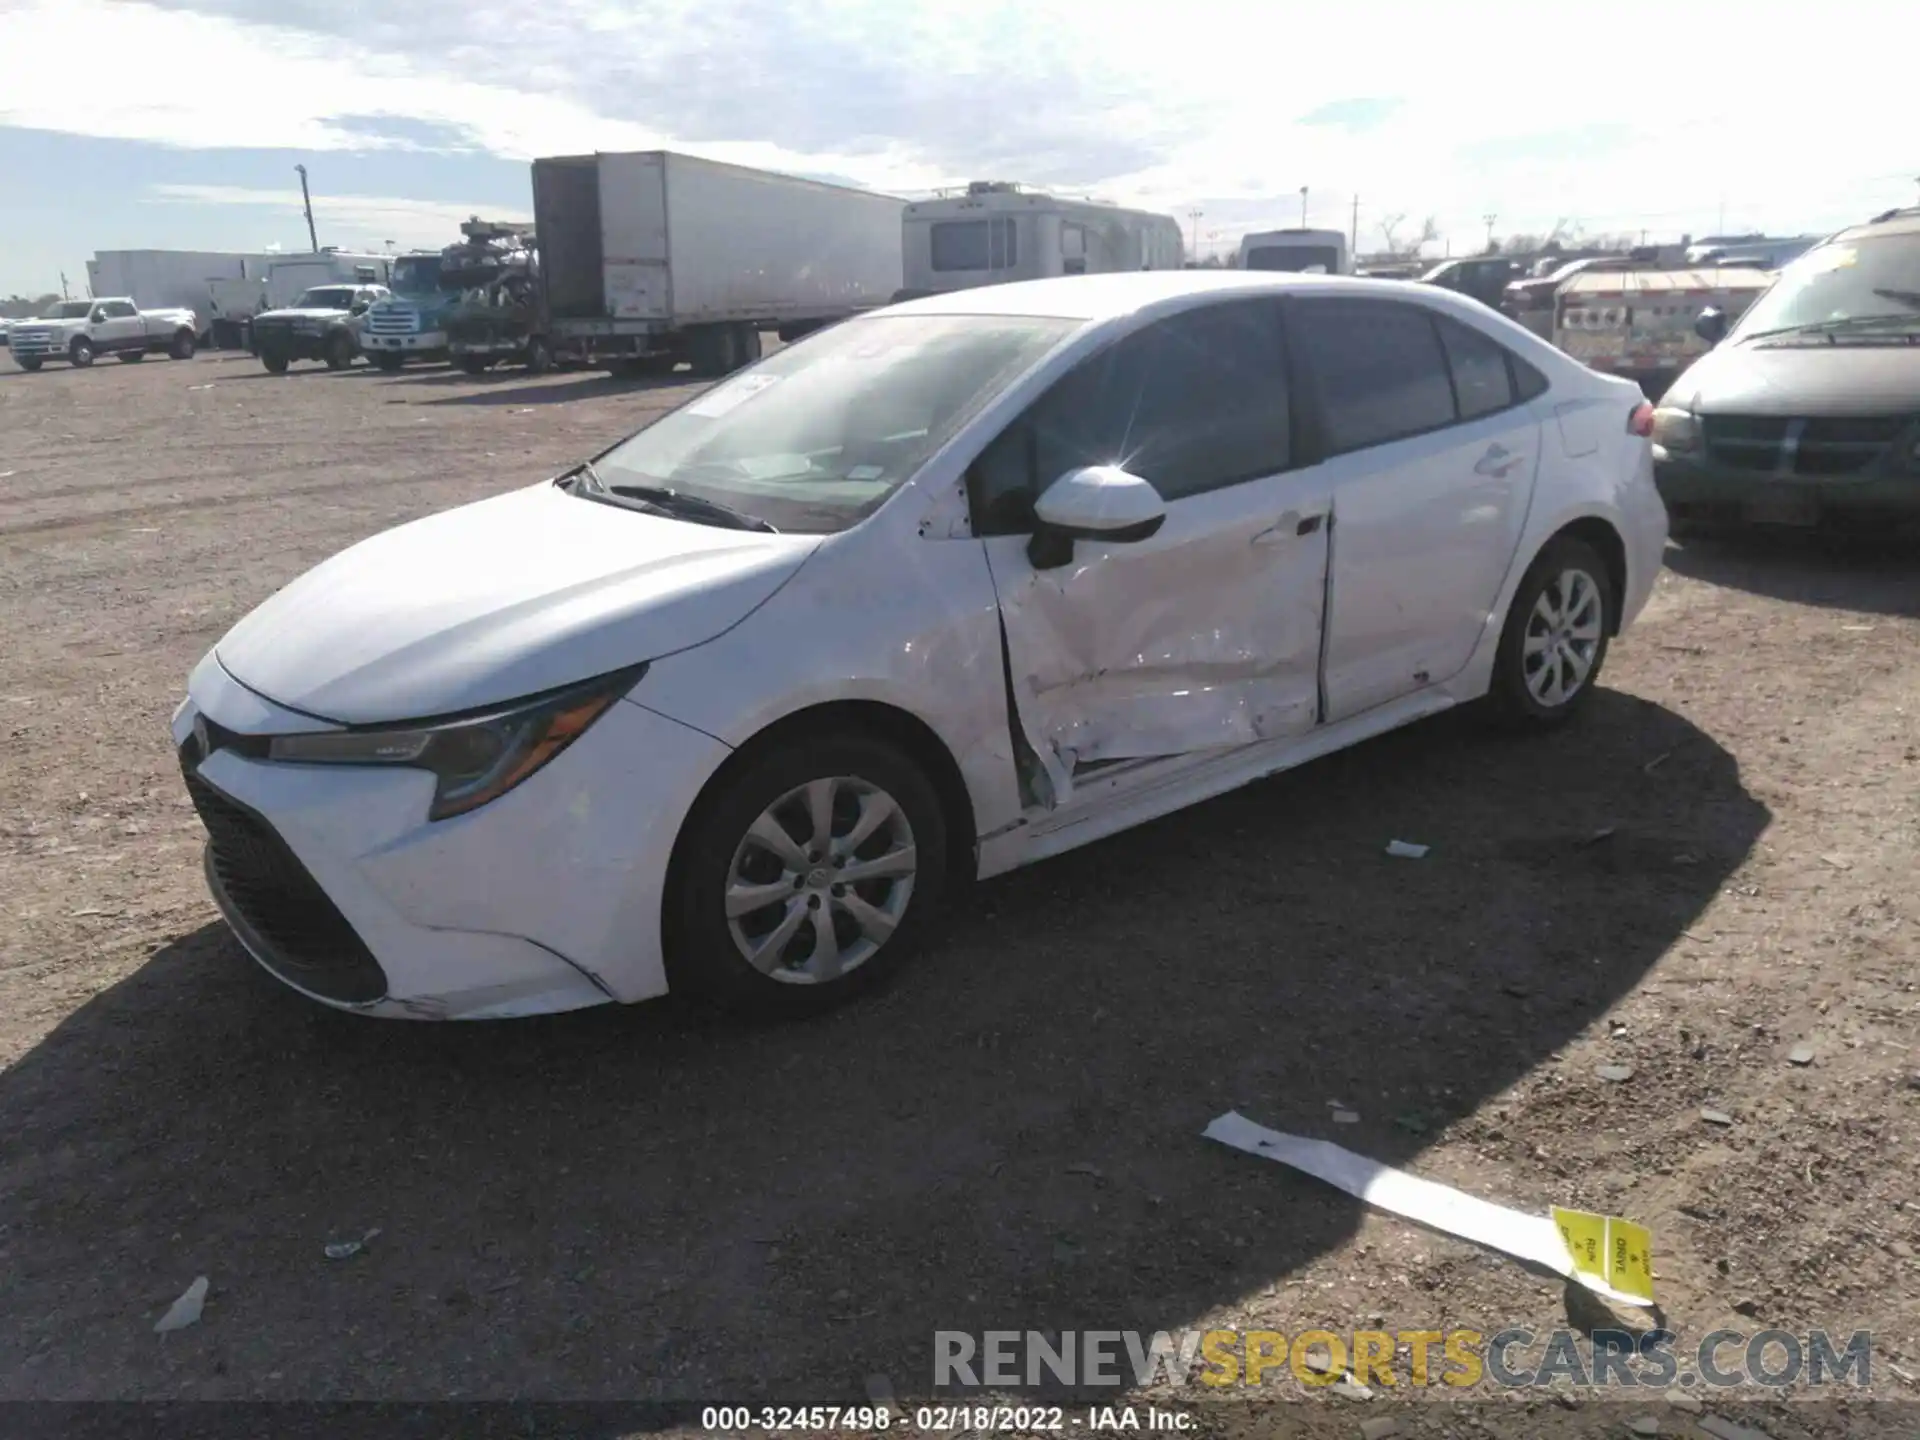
1711, 325
1098, 502
359, 307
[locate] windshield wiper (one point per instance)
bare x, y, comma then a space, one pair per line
673, 502
1844, 322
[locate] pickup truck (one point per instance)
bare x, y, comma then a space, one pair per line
77, 330
323, 324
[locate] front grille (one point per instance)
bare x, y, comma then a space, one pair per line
1786, 445
307, 941
393, 320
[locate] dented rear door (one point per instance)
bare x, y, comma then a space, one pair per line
1206, 635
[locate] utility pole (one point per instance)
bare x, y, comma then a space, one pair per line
306, 201
1194, 215
63, 286
1489, 219
1353, 244
1303, 207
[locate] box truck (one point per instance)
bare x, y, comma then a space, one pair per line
651, 258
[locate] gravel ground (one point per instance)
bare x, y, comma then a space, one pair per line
1714, 867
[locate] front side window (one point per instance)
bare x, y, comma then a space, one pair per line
1190, 404
1379, 370
120, 310
975, 244
814, 438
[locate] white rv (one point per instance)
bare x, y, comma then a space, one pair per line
1302, 252
997, 231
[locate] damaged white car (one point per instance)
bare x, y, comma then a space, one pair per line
929, 595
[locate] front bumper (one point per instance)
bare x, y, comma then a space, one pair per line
1693, 487
294, 344
425, 341
547, 899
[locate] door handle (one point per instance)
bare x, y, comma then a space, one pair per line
1497, 461
1291, 526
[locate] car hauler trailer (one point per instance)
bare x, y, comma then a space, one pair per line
652, 257
998, 231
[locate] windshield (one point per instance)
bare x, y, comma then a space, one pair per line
325, 299
416, 275
1843, 281
815, 437
69, 310
1296, 259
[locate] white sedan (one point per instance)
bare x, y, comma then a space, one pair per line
929, 595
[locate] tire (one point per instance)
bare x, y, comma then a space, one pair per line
132, 357
711, 349
80, 352
707, 949
275, 362
340, 351
1529, 692
27, 362
389, 361
747, 346
475, 364
182, 347
539, 355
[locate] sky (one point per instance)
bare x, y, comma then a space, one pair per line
1666, 118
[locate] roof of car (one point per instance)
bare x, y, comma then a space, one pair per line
1106, 297
1896, 222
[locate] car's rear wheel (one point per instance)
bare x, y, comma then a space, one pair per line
80, 352
807, 876
1556, 636
275, 362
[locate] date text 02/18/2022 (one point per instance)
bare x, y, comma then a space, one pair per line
938, 1419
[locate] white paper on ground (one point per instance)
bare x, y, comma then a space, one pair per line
1514, 1232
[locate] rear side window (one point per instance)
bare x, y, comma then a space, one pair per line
1481, 383
1193, 403
1528, 383
1379, 370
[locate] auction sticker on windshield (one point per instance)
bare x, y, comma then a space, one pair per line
722, 398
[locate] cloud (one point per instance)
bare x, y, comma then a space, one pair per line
1526, 116
352, 222
1355, 114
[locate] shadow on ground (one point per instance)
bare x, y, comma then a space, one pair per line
545, 390
1878, 574
648, 1203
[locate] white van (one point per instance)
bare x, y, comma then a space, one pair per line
1301, 252
998, 231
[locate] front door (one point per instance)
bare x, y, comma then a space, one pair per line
1205, 635
1432, 446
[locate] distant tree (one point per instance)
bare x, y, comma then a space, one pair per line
19, 307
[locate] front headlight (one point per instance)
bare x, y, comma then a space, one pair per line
1675, 429
475, 758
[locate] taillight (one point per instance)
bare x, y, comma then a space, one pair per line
1641, 421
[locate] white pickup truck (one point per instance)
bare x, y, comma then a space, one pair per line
77, 330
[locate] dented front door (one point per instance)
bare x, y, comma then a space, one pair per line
1206, 635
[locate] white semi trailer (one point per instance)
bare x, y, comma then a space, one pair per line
651, 258
998, 231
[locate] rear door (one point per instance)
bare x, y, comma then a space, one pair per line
1205, 635
1432, 445
121, 329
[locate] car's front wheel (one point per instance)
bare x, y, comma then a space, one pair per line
80, 352
1556, 635
807, 876
389, 361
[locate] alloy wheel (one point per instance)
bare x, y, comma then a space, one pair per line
1563, 637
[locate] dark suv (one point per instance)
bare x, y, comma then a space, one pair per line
1809, 407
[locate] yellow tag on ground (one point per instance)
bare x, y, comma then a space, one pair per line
1616, 1252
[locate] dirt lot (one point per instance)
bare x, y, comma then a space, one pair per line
648, 1203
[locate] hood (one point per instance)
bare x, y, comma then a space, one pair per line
298, 315
507, 597
1802, 380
